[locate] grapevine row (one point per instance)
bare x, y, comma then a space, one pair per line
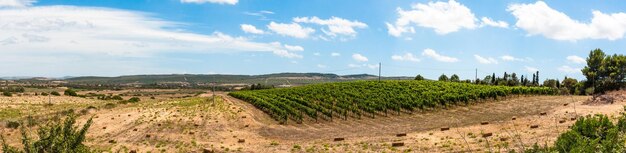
371, 98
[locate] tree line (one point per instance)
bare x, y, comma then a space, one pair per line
603, 73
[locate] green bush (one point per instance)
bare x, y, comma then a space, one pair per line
13, 124
61, 136
117, 97
44, 94
590, 134
134, 100
6, 93
70, 92
55, 93
109, 105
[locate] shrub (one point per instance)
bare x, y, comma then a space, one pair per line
590, 134
117, 97
13, 124
31, 121
6, 93
109, 105
44, 94
55, 93
70, 92
61, 136
134, 100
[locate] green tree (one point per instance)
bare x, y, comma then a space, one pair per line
594, 63
419, 77
569, 84
443, 77
550, 83
55, 93
455, 78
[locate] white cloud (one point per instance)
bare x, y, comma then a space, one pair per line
444, 17
359, 58
335, 54
231, 2
510, 58
317, 54
294, 48
488, 22
287, 54
354, 65
67, 30
16, 3
335, 25
576, 59
485, 60
261, 14
321, 66
405, 57
530, 69
372, 66
540, 19
433, 54
568, 69
251, 29
292, 29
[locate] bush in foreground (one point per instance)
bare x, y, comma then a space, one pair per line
590, 134
60, 136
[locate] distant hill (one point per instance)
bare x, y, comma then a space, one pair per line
270, 79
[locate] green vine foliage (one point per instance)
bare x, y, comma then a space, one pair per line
55, 137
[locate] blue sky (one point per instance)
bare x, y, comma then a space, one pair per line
120, 37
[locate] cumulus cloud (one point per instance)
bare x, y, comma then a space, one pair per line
405, 57
485, 60
510, 58
568, 69
290, 29
530, 69
251, 29
76, 30
443, 17
16, 3
335, 54
489, 22
230, 2
294, 48
540, 19
359, 58
334, 26
434, 55
287, 54
576, 59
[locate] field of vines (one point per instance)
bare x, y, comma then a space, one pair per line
372, 98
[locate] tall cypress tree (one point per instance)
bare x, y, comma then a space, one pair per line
493, 78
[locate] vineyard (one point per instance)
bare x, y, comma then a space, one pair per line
371, 98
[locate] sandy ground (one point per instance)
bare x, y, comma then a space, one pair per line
230, 125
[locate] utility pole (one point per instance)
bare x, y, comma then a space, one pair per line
379, 67
476, 76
